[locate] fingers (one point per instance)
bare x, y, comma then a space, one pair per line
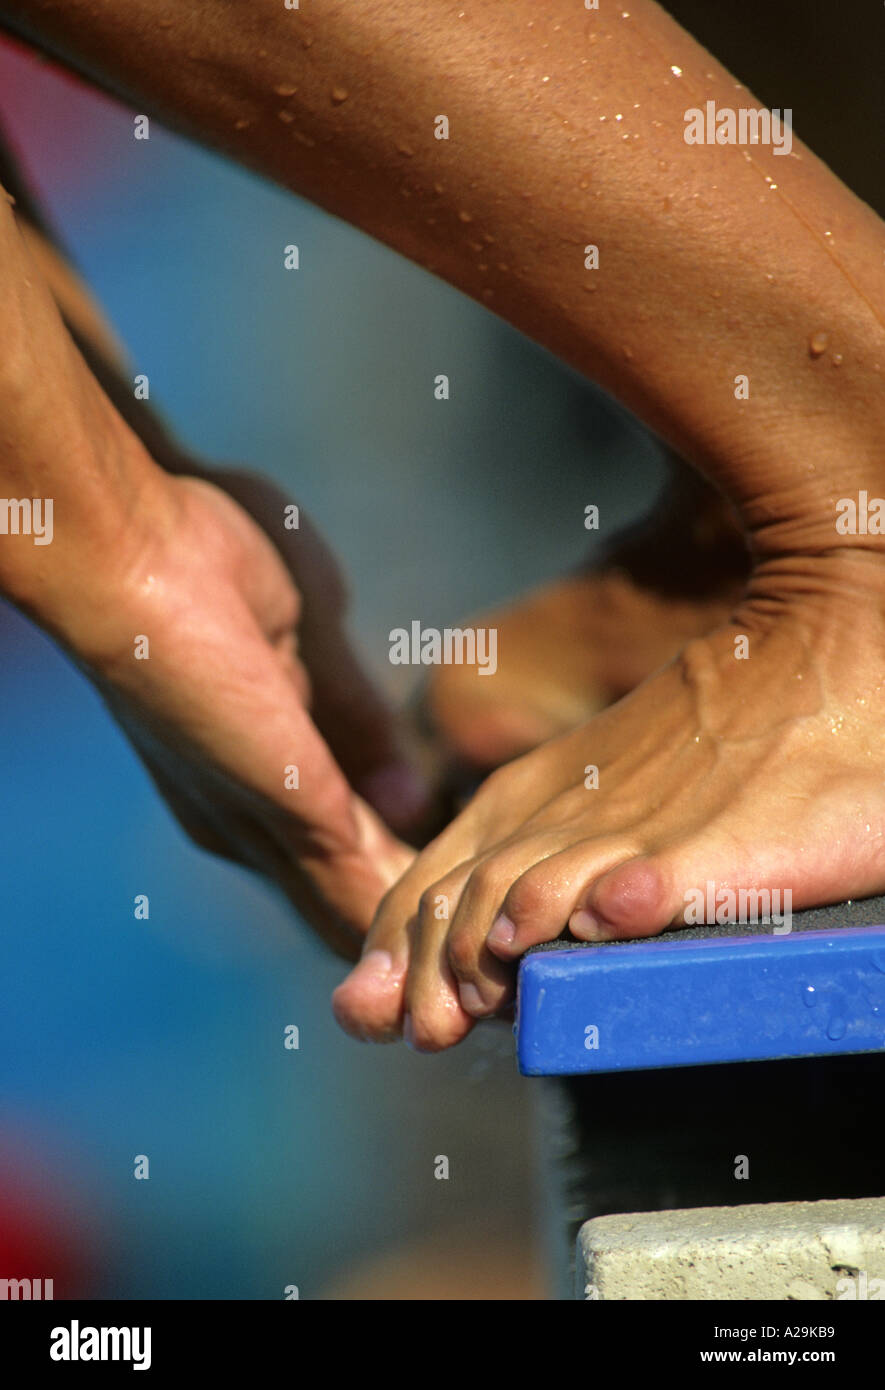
360, 730
328, 836
221, 715
216, 705
346, 707
228, 831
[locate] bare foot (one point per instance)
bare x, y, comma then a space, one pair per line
752, 773
576, 646
564, 653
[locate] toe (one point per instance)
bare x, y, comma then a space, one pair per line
435, 1018
485, 983
368, 1003
540, 903
635, 898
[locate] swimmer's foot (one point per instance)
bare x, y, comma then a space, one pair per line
576, 646
754, 760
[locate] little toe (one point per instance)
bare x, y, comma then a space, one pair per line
634, 898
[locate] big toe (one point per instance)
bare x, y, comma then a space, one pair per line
368, 1004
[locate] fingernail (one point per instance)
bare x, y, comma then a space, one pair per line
502, 933
585, 926
398, 792
471, 1000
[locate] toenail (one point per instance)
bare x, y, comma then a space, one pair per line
375, 963
584, 925
471, 1000
502, 933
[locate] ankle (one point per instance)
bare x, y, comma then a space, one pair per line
831, 593
691, 546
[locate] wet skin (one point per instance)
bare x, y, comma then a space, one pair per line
717, 265
763, 772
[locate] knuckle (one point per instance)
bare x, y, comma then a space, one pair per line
526, 898
462, 954
427, 903
486, 880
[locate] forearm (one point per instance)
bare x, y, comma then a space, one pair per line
77, 488
566, 128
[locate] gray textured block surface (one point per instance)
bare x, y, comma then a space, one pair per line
856, 912
779, 1251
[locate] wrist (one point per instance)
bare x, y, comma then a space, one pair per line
69, 552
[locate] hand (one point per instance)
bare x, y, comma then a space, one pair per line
219, 709
170, 569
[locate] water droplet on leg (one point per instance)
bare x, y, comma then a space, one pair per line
818, 343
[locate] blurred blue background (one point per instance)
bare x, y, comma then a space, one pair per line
165, 1037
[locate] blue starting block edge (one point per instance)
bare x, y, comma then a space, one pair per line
671, 1002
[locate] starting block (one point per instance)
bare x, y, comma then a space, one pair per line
706, 995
